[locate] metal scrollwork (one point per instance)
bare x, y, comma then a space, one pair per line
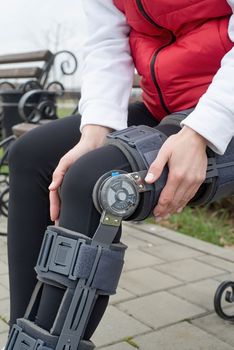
224, 296
55, 86
69, 65
30, 85
38, 104
7, 84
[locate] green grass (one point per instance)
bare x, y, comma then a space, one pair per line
4, 168
64, 112
213, 224
131, 342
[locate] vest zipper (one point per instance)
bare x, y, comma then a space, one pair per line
152, 63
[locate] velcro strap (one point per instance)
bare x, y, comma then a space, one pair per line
64, 259
108, 269
149, 146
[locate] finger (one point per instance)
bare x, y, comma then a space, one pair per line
167, 196
186, 192
156, 168
58, 175
54, 205
180, 200
182, 197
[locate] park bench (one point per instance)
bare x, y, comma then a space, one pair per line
28, 98
22, 128
25, 72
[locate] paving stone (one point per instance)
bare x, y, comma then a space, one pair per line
3, 250
132, 242
116, 326
4, 292
217, 262
183, 336
3, 339
188, 270
135, 230
188, 241
171, 251
3, 268
200, 293
135, 259
225, 277
4, 280
5, 309
3, 224
3, 327
119, 346
4, 258
160, 309
146, 280
218, 327
121, 295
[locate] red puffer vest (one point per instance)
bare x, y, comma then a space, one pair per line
177, 46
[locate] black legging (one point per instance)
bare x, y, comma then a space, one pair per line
32, 160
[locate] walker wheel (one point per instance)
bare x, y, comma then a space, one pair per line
224, 293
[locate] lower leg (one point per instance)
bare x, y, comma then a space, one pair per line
32, 160
29, 205
79, 214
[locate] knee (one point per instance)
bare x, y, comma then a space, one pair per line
78, 182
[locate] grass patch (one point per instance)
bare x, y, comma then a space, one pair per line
3, 319
213, 224
131, 342
4, 168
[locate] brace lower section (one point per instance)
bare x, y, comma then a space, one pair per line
84, 269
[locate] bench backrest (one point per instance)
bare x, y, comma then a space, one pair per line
39, 73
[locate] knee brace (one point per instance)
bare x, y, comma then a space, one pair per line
141, 144
84, 268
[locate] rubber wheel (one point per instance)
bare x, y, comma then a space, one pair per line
228, 296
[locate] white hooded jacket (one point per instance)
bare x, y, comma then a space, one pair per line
107, 77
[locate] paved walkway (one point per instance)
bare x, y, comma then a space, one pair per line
165, 296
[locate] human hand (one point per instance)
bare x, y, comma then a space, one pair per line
93, 136
185, 154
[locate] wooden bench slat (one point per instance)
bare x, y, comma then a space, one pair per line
33, 72
35, 56
23, 128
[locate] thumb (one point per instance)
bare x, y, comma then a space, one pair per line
156, 168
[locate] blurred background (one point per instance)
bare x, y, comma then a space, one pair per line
30, 25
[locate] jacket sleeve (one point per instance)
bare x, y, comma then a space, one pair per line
107, 66
213, 117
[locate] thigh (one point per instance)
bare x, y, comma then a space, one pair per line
138, 114
45, 145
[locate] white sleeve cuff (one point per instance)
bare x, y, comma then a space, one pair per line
101, 113
204, 121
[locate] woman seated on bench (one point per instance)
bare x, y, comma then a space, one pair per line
177, 56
